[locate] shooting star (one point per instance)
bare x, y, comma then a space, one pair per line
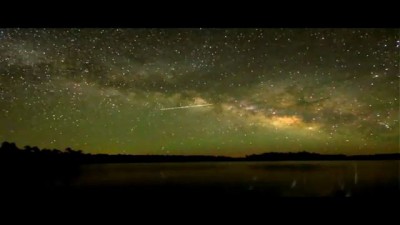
187, 106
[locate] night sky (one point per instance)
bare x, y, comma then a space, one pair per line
205, 91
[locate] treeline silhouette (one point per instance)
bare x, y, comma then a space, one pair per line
33, 169
10, 153
302, 156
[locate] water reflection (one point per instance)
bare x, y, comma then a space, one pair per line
287, 179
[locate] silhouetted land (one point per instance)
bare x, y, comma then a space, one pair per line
10, 153
32, 170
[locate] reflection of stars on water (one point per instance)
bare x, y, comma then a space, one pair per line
293, 185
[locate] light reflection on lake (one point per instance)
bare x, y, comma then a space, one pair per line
287, 179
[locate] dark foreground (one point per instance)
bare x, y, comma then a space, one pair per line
219, 179
203, 189
51, 181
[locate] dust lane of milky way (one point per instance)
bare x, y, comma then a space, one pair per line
201, 91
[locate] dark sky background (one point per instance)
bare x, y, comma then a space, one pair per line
201, 91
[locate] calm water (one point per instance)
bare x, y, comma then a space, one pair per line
318, 178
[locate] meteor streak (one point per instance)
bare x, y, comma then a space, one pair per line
185, 107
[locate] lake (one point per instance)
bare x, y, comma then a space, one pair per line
275, 179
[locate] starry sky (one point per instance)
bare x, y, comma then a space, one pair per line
203, 91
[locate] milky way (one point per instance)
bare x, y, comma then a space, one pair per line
106, 90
